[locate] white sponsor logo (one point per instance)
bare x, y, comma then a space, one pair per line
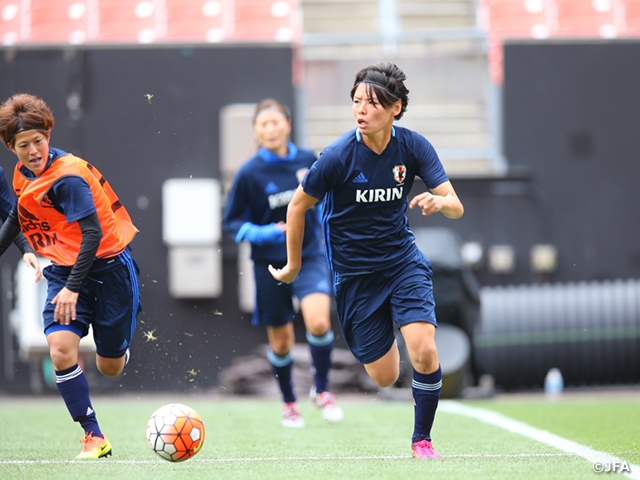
280, 199
379, 195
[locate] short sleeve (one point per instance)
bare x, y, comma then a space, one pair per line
73, 195
430, 168
323, 175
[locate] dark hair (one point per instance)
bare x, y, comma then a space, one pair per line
271, 104
387, 81
23, 112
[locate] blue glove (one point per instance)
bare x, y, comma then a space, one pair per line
260, 234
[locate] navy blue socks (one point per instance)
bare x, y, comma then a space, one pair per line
426, 393
74, 389
321, 348
281, 368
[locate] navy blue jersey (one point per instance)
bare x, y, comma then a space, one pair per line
365, 198
7, 197
261, 192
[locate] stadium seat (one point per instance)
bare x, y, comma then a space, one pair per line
517, 18
127, 21
266, 20
513, 19
10, 22
197, 20
496, 59
587, 18
62, 21
632, 18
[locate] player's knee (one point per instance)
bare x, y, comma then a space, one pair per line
62, 357
280, 347
110, 367
425, 358
319, 327
385, 379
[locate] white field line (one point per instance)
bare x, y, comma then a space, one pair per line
274, 459
567, 446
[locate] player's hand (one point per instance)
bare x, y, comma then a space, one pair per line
285, 274
427, 202
65, 302
30, 260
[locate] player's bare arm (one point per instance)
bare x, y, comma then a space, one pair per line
442, 199
300, 203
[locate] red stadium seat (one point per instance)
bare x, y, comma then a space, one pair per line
587, 18
513, 19
496, 59
197, 20
517, 18
266, 20
632, 18
131, 21
10, 14
62, 21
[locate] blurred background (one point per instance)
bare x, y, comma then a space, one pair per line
532, 105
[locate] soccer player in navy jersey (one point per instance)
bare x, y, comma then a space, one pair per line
70, 215
7, 202
381, 279
256, 211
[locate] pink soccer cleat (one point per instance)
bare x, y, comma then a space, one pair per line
424, 449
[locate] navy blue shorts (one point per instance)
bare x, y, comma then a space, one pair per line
108, 301
371, 306
274, 306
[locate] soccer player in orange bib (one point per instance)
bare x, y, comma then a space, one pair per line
70, 215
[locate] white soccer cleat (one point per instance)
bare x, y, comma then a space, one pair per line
326, 401
291, 416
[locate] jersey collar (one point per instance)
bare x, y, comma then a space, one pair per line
359, 135
270, 157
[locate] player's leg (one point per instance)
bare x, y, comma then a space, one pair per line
315, 312
274, 310
281, 339
63, 341
110, 367
426, 383
366, 322
114, 291
117, 305
413, 308
385, 370
74, 389
315, 309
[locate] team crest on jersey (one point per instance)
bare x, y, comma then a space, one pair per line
399, 173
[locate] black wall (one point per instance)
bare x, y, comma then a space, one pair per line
571, 113
137, 145
571, 117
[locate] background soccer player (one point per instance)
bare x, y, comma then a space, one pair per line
7, 202
71, 216
256, 212
381, 279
